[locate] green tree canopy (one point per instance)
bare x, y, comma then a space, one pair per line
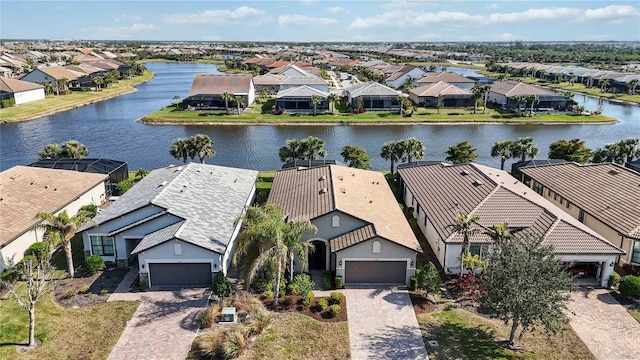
461, 153
502, 149
293, 150
356, 157
570, 150
392, 151
524, 148
71, 149
202, 145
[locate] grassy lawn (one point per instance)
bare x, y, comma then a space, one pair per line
261, 114
635, 314
263, 185
86, 333
477, 336
295, 336
54, 104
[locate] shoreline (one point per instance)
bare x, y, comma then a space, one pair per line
129, 89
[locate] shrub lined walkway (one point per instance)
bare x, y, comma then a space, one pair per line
604, 325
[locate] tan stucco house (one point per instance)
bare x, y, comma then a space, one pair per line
362, 233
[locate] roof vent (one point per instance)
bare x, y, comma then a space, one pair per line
323, 191
340, 177
163, 183
322, 178
46, 186
343, 190
185, 184
464, 172
613, 172
478, 182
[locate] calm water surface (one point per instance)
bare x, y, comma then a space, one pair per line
109, 130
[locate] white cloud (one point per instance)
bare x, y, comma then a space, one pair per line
309, 2
336, 9
493, 6
132, 18
299, 20
214, 17
611, 12
117, 32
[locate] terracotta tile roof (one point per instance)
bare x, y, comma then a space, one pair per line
277, 64
353, 237
608, 192
443, 190
447, 77
308, 193
253, 61
26, 191
439, 88
217, 84
15, 86
59, 72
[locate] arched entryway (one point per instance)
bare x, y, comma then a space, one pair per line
317, 257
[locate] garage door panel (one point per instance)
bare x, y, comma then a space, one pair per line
380, 272
189, 274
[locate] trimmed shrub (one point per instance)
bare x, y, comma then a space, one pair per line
306, 302
104, 292
28, 258
124, 186
323, 303
334, 310
413, 282
235, 344
7, 103
9, 275
326, 280
142, 286
339, 282
268, 294
205, 319
630, 286
40, 250
94, 264
336, 298
84, 290
69, 294
91, 210
302, 284
614, 279
221, 285
288, 301
209, 345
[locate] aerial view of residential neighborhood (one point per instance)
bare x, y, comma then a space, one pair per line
319, 179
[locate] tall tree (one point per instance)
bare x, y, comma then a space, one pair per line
296, 248
439, 103
313, 148
293, 150
633, 85
239, 100
49, 152
570, 150
182, 149
532, 100
61, 84
227, 98
461, 153
524, 148
610, 153
73, 149
477, 92
464, 225
315, 100
66, 226
202, 145
485, 95
519, 100
428, 279
411, 148
356, 157
526, 285
38, 277
502, 149
98, 81
392, 151
629, 149
332, 98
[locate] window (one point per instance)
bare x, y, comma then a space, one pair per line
581, 216
549, 192
425, 220
568, 205
479, 250
335, 221
537, 187
102, 245
376, 247
177, 249
635, 255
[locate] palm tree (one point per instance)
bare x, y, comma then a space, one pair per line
202, 146
293, 150
485, 93
67, 227
463, 225
48, 88
73, 149
180, 149
588, 81
61, 83
603, 86
439, 103
49, 152
313, 148
523, 148
315, 100
519, 100
532, 100
633, 84
296, 248
502, 149
477, 92
412, 148
98, 81
393, 152
610, 153
332, 98
227, 98
239, 100
499, 233
628, 149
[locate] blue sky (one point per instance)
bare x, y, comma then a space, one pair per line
308, 20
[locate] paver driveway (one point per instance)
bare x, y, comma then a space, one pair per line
604, 325
383, 325
164, 325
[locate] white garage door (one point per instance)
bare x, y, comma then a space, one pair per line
185, 274
376, 272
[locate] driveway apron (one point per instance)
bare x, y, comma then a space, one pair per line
164, 325
604, 325
383, 325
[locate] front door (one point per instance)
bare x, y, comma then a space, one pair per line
318, 256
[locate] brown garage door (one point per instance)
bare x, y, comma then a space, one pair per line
185, 274
380, 272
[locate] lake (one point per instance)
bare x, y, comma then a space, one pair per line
109, 129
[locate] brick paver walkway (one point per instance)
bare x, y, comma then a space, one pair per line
164, 325
383, 325
604, 325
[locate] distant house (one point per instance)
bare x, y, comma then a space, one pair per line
448, 77
21, 91
451, 95
298, 99
178, 222
313, 81
207, 89
52, 74
505, 93
26, 191
362, 234
603, 197
375, 96
400, 77
271, 82
438, 192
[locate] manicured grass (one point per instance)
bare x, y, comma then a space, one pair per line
54, 104
263, 185
635, 314
261, 114
295, 336
86, 333
477, 339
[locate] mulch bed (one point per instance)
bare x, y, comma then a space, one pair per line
421, 303
103, 280
296, 307
630, 304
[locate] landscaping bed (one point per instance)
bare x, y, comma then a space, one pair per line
90, 289
422, 304
310, 311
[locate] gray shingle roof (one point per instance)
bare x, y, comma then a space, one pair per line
301, 91
209, 197
158, 237
304, 80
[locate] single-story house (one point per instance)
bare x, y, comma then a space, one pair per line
438, 192
298, 99
448, 77
26, 191
604, 197
375, 96
207, 89
362, 233
504, 94
21, 91
313, 81
451, 95
52, 74
177, 224
400, 77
